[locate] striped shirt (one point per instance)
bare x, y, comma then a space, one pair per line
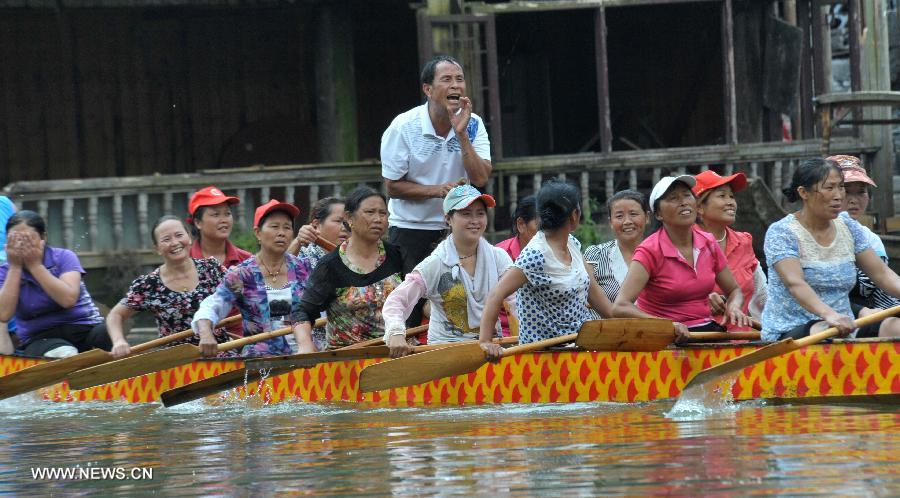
609, 267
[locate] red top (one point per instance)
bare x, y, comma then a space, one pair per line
513, 248
742, 262
234, 255
678, 290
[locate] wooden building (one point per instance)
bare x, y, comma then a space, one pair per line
144, 101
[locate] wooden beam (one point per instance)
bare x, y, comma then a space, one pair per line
807, 119
855, 31
335, 84
601, 62
520, 6
730, 104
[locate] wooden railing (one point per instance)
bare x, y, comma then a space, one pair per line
100, 217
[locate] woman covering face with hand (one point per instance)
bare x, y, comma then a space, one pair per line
41, 287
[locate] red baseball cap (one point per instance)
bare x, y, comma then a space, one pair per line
274, 205
209, 196
709, 180
852, 169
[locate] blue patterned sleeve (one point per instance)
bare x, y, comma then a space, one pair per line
780, 243
479, 137
531, 262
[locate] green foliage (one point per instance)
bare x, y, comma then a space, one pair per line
246, 240
591, 232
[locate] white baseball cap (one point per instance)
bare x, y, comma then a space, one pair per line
665, 183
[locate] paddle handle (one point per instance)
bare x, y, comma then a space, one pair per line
503, 341
535, 346
187, 334
724, 336
239, 343
754, 323
859, 322
376, 342
325, 244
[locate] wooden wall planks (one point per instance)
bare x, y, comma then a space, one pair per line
118, 92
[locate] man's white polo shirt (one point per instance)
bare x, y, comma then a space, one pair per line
410, 148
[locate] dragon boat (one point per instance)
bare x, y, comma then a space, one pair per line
842, 370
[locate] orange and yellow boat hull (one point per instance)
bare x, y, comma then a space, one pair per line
823, 370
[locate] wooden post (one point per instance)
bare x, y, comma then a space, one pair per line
335, 83
601, 62
730, 104
876, 77
807, 118
821, 41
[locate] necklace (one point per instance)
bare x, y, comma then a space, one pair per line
723, 237
272, 275
186, 277
466, 257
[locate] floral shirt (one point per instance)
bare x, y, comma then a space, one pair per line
244, 287
172, 309
352, 299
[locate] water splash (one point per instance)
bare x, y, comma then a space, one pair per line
705, 400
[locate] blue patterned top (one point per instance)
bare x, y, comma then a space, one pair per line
553, 302
829, 270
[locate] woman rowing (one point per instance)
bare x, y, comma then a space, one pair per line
172, 292
211, 216
674, 270
326, 220
628, 216
266, 288
456, 278
351, 283
41, 286
813, 255
716, 212
865, 293
552, 282
524, 226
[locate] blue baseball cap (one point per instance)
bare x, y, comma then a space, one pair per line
463, 196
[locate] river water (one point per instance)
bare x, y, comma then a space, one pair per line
583, 449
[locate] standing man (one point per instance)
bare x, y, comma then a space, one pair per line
425, 152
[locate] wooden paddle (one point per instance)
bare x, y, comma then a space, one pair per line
626, 334
52, 372
241, 376
254, 370
779, 348
160, 360
445, 362
750, 335
248, 373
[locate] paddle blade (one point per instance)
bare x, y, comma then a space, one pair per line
46, 374
134, 366
422, 367
626, 334
213, 385
735, 365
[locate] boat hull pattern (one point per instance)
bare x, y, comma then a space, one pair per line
825, 370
